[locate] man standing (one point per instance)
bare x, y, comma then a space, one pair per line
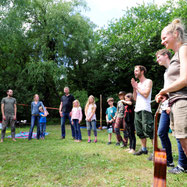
143, 117
65, 111
9, 110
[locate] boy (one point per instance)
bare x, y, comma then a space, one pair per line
110, 113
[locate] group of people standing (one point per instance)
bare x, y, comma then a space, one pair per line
139, 119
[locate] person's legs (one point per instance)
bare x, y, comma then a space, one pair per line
79, 131
93, 123
12, 124
44, 129
63, 130
38, 127
72, 127
3, 130
132, 137
41, 130
75, 125
183, 142
33, 118
163, 129
88, 125
182, 161
117, 129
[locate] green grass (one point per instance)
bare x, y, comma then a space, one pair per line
56, 162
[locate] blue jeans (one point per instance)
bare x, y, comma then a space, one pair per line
63, 120
77, 128
182, 161
42, 130
34, 119
163, 130
91, 125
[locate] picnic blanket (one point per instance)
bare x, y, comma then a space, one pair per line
25, 135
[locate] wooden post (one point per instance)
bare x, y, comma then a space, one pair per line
100, 112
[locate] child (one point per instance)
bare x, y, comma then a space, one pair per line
129, 121
120, 120
110, 113
42, 122
76, 119
90, 109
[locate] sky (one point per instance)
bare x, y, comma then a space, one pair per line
102, 11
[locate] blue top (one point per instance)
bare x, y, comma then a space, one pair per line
42, 118
35, 107
111, 111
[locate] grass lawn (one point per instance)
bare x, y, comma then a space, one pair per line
57, 162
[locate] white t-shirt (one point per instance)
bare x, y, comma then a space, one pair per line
89, 111
143, 103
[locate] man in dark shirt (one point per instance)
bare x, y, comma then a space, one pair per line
65, 108
9, 110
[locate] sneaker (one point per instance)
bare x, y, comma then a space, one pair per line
108, 143
89, 141
127, 150
95, 141
177, 170
140, 152
122, 145
170, 165
117, 143
132, 151
150, 158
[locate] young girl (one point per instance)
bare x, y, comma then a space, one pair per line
90, 109
76, 120
129, 121
42, 122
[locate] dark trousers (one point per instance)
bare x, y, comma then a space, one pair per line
9, 119
66, 115
182, 161
131, 135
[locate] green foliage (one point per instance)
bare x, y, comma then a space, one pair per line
47, 44
82, 96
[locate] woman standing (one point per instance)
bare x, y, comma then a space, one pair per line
173, 37
35, 116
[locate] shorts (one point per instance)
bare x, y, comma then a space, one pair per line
110, 127
178, 119
144, 124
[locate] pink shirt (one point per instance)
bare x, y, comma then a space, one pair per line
76, 113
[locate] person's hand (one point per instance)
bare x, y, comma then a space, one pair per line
14, 118
168, 110
61, 115
70, 114
161, 97
88, 119
79, 121
72, 122
4, 118
134, 83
